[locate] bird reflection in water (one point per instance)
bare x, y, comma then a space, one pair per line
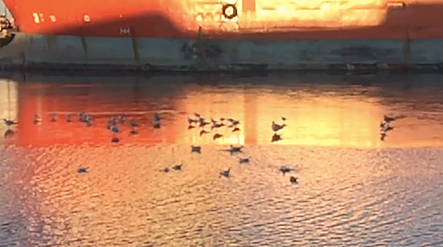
276, 137
9, 133
9, 123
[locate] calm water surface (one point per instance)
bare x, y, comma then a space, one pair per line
354, 190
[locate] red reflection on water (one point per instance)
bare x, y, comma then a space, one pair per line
40, 99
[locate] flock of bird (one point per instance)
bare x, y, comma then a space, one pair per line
197, 121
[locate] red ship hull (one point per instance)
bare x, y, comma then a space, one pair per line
255, 19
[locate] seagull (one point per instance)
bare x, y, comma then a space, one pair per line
156, 123
115, 129
82, 169
217, 125
386, 128
233, 121
88, 120
234, 149
196, 149
285, 169
244, 160
203, 123
276, 127
81, 116
121, 118
226, 173
191, 121
156, 117
177, 167
9, 122
133, 124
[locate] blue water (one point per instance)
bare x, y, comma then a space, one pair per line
353, 190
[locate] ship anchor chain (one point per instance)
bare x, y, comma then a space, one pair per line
229, 11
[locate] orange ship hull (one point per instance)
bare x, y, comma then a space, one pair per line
215, 35
253, 19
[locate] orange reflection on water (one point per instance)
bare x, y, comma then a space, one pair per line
324, 120
318, 115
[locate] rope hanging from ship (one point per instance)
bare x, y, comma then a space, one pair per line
229, 11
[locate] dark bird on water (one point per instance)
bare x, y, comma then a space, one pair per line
82, 169
9, 122
235, 149
156, 123
226, 173
177, 167
293, 180
133, 124
196, 149
244, 160
285, 169
276, 127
